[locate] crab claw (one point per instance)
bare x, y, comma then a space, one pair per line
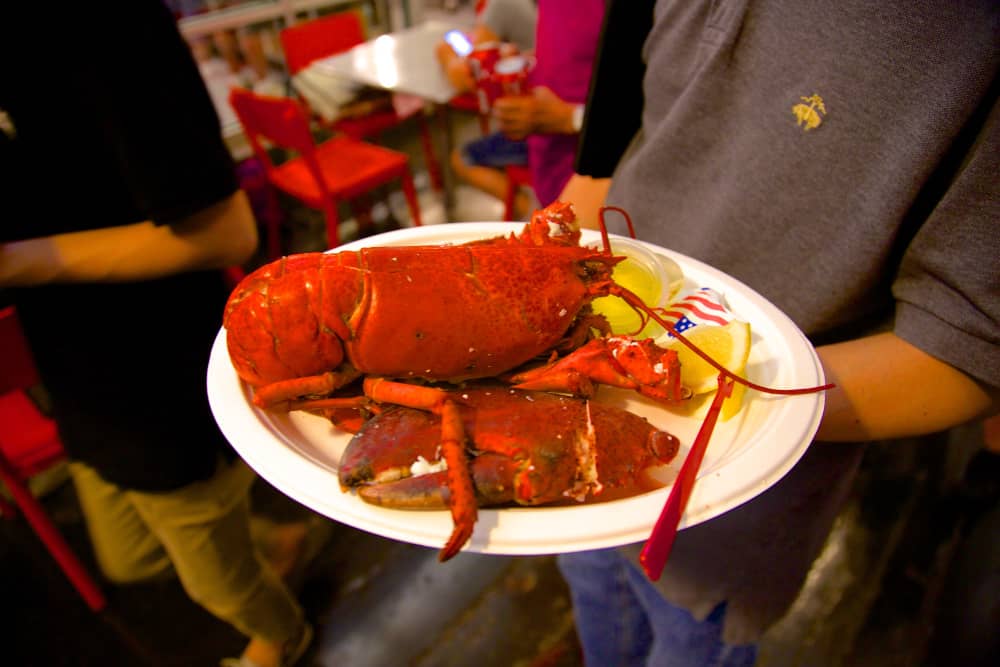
387, 456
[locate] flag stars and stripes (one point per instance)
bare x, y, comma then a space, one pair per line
703, 306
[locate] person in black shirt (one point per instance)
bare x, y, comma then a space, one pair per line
120, 206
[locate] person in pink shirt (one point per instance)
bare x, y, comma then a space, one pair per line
550, 117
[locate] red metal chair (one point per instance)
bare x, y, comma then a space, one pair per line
517, 177
335, 33
29, 444
339, 169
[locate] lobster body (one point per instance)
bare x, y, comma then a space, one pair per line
462, 312
287, 319
432, 312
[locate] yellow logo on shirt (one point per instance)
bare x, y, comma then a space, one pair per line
807, 113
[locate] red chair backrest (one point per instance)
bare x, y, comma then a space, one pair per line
17, 366
325, 36
280, 120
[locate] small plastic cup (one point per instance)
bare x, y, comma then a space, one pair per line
511, 73
652, 277
483, 59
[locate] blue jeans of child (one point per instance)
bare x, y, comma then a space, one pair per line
622, 620
495, 150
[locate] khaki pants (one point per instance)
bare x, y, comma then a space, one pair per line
201, 530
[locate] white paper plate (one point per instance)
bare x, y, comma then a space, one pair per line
298, 453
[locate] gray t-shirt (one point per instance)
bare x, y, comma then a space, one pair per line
842, 160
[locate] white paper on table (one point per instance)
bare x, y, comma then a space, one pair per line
325, 93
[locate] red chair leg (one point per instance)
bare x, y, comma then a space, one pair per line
517, 176
410, 193
509, 199
53, 540
7, 510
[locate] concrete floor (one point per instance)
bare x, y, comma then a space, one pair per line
908, 577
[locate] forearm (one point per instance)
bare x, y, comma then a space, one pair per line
541, 112
455, 67
887, 388
551, 114
587, 196
221, 235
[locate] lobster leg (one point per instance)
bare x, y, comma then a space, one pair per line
348, 413
639, 365
271, 395
462, 503
462, 492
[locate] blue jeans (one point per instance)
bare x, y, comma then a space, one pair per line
622, 619
495, 150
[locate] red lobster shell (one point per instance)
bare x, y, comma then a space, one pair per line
431, 312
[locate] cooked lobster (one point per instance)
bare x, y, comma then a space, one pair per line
305, 326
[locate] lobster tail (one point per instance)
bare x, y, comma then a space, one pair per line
288, 318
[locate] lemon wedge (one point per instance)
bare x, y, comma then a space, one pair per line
729, 345
733, 404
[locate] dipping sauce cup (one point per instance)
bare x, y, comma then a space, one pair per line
652, 277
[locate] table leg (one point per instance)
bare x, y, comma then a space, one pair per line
383, 15
443, 114
407, 14
387, 14
449, 145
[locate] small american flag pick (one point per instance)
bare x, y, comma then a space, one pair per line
703, 306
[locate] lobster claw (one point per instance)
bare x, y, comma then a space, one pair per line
428, 491
394, 445
513, 447
491, 476
395, 461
